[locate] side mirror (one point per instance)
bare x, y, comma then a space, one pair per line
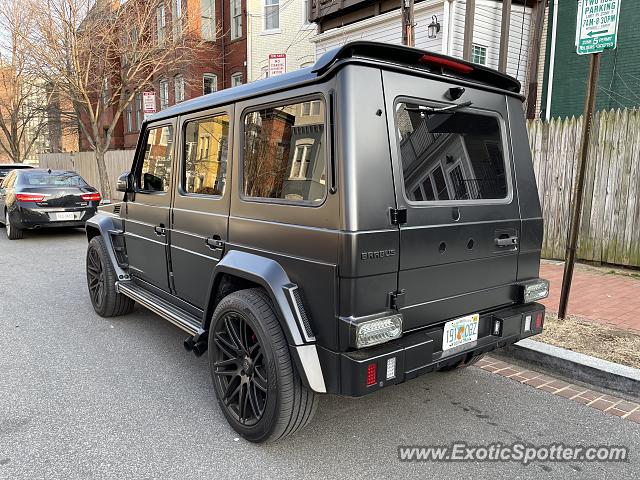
125, 183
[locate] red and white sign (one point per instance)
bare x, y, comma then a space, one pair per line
277, 64
149, 102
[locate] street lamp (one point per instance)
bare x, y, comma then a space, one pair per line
434, 27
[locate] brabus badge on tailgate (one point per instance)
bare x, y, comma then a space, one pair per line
377, 254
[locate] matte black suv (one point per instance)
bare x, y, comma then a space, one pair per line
338, 229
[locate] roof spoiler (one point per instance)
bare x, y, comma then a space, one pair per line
413, 57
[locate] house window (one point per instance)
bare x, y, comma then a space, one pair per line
479, 54
236, 79
179, 88
138, 111
311, 108
161, 22
164, 94
283, 158
177, 17
208, 19
271, 14
105, 91
236, 19
206, 150
305, 12
300, 162
209, 83
128, 115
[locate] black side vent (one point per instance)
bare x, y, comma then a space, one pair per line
116, 209
303, 313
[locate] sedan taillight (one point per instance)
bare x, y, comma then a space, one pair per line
91, 197
29, 197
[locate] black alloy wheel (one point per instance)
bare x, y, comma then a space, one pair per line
239, 369
95, 278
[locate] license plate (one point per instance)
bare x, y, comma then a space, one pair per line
65, 216
460, 331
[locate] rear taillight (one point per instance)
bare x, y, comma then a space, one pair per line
446, 63
91, 197
29, 197
371, 374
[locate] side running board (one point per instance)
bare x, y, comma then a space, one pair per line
156, 304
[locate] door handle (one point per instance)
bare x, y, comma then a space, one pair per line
160, 231
507, 241
214, 243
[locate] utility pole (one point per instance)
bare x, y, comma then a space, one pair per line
469, 18
504, 35
408, 22
576, 213
534, 61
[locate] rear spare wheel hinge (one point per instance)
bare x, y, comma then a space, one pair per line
396, 299
398, 216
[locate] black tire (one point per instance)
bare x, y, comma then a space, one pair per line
467, 362
101, 281
13, 233
248, 352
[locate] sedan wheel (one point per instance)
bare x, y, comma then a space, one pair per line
13, 233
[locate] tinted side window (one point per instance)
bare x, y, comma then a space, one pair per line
450, 156
205, 152
284, 153
155, 174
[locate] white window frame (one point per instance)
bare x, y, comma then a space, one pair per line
161, 23
235, 77
164, 93
139, 112
485, 51
176, 17
208, 19
300, 165
214, 81
178, 87
235, 11
268, 9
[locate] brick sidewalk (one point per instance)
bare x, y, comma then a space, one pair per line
597, 296
594, 399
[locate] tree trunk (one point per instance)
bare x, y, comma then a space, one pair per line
105, 184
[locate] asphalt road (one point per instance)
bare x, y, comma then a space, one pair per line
84, 397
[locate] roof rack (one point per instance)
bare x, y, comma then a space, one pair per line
416, 58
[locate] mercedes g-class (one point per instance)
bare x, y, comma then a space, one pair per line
338, 229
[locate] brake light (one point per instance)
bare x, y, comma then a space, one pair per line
29, 197
446, 63
371, 374
91, 197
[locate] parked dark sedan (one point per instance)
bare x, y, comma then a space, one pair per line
5, 168
36, 198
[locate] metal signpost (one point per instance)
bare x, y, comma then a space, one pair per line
596, 31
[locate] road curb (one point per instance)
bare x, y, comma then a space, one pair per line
577, 366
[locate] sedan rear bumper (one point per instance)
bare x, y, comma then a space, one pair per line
25, 218
351, 373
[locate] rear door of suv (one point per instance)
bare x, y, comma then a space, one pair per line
453, 175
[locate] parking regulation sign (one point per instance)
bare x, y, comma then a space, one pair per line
597, 28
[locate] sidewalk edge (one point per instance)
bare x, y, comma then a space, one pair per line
577, 366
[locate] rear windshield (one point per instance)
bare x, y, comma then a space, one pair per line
450, 156
54, 179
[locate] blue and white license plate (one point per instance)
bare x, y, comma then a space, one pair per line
460, 331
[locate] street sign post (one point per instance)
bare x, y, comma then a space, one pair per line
596, 31
597, 28
277, 64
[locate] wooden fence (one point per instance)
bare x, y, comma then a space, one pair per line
610, 227
84, 163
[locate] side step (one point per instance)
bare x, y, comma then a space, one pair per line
156, 304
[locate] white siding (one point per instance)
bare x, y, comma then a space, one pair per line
486, 32
387, 28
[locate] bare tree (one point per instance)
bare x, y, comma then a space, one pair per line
24, 98
103, 53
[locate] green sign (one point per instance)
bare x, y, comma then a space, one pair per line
597, 28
